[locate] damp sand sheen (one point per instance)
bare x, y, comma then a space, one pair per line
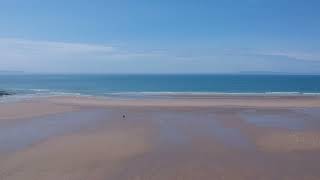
217, 137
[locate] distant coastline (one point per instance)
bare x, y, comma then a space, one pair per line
273, 73
3, 72
8, 72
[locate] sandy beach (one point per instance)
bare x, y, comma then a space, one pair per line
186, 137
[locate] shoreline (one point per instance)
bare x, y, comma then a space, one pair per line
17, 95
141, 96
41, 106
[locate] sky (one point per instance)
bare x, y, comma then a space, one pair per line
160, 36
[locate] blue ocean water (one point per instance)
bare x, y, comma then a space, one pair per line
111, 85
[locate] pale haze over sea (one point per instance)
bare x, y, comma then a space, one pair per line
163, 37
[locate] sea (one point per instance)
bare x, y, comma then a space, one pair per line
147, 85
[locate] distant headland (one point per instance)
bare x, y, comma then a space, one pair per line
3, 72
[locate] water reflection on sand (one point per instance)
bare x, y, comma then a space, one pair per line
26, 132
155, 143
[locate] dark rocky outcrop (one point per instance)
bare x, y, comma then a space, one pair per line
4, 93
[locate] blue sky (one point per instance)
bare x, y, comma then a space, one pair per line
167, 36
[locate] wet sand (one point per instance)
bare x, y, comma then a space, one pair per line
216, 137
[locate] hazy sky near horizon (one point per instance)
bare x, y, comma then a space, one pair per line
160, 36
